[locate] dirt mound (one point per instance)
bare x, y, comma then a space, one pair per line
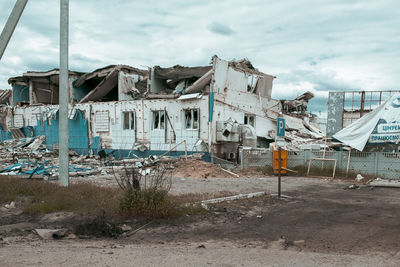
194, 168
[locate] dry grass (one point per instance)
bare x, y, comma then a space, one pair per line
46, 197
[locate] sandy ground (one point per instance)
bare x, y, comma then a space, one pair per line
321, 224
107, 253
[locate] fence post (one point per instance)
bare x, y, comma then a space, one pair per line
241, 158
376, 164
305, 156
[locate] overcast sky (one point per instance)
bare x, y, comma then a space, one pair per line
318, 46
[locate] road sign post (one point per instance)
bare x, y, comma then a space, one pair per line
280, 141
280, 127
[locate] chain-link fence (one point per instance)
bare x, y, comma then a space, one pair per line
379, 164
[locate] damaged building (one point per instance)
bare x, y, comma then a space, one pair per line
212, 109
365, 120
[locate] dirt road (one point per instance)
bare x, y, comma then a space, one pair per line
108, 253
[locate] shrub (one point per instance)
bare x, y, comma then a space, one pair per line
145, 192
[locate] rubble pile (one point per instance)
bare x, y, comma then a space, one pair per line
193, 168
30, 158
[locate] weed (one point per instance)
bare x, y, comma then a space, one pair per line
46, 197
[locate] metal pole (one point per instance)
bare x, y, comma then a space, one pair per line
11, 24
64, 95
323, 154
279, 171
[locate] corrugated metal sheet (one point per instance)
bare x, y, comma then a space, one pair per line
5, 96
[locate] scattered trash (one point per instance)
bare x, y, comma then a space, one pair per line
10, 206
201, 246
259, 216
353, 186
359, 177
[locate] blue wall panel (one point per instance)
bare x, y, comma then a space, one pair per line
78, 132
4, 135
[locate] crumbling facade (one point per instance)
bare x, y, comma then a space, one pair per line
213, 109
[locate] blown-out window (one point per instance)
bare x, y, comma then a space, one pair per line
128, 120
158, 119
191, 118
249, 119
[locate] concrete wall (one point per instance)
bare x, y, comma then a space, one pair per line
233, 101
100, 125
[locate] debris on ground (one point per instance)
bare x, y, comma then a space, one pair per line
379, 182
205, 203
193, 168
30, 158
48, 234
98, 227
359, 177
352, 187
10, 206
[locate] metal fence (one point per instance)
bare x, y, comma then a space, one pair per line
379, 164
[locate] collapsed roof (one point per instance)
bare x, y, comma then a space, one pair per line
178, 72
297, 105
51, 75
5, 96
178, 80
43, 87
102, 81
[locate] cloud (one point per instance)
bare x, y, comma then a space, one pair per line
322, 46
220, 28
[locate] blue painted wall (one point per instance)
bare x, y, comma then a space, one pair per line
78, 132
4, 135
77, 93
20, 93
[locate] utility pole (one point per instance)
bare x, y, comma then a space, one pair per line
63, 132
12, 22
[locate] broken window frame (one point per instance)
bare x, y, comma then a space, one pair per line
194, 121
128, 120
249, 119
158, 120
252, 80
